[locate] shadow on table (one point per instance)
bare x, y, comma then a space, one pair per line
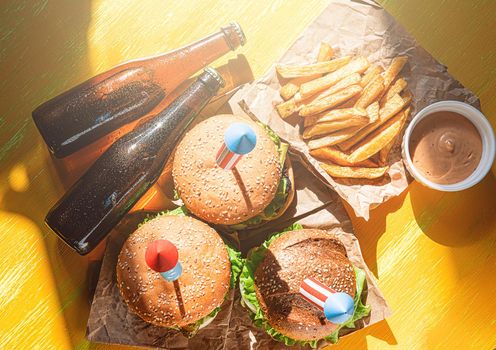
380, 330
468, 234
444, 218
36, 174
369, 232
46, 52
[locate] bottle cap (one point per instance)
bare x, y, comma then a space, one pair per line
212, 79
234, 35
239, 31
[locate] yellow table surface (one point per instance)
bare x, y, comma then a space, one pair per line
433, 253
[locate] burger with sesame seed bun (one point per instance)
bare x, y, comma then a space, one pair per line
193, 300
259, 188
273, 273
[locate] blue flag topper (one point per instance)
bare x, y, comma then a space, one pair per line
239, 139
338, 307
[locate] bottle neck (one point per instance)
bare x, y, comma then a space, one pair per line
189, 103
187, 60
168, 126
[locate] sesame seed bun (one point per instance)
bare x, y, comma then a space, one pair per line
221, 196
203, 283
290, 259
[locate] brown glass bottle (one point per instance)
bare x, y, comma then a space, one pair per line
235, 73
117, 180
125, 93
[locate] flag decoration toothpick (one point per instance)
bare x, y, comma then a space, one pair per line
338, 307
162, 256
239, 139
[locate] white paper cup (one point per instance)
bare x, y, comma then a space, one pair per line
488, 144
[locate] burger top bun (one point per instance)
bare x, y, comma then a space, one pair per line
222, 196
202, 285
290, 259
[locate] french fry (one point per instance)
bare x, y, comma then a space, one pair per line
407, 96
373, 112
370, 74
390, 109
384, 152
296, 103
289, 89
330, 101
352, 79
398, 86
332, 139
326, 52
353, 172
350, 103
353, 112
286, 108
371, 92
338, 157
326, 128
379, 139
335, 115
393, 70
358, 65
311, 69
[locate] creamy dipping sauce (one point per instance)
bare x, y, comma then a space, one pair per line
445, 147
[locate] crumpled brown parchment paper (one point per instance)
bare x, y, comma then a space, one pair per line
359, 28
110, 320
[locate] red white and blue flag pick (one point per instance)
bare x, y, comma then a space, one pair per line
162, 256
239, 139
338, 307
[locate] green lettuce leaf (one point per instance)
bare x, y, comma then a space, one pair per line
175, 195
281, 147
237, 263
250, 301
361, 310
179, 211
273, 136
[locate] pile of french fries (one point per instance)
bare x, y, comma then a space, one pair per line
353, 111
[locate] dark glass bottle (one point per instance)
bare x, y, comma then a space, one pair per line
235, 73
125, 93
117, 180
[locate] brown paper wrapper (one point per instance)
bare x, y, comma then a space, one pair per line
110, 320
355, 28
